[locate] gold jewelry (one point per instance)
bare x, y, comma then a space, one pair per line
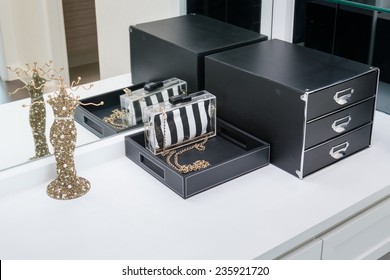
127, 91
63, 136
114, 117
185, 168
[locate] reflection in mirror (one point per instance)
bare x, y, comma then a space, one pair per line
355, 29
46, 29
38, 75
16, 145
123, 108
134, 101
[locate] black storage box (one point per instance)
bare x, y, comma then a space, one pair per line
313, 108
231, 154
91, 117
176, 47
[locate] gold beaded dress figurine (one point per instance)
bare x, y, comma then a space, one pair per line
63, 137
37, 117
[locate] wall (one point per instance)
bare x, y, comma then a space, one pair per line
3, 72
283, 20
56, 36
31, 31
8, 37
266, 17
35, 29
80, 31
113, 19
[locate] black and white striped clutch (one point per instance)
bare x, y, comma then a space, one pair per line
133, 103
168, 126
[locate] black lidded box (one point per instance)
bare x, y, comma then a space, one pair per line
231, 153
313, 108
176, 47
91, 117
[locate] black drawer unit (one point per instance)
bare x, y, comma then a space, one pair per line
302, 101
176, 47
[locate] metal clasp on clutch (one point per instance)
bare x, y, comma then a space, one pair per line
179, 99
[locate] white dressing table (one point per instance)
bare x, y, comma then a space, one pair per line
342, 211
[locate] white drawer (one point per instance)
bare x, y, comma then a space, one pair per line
366, 236
309, 251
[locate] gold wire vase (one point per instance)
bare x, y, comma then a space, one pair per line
37, 114
63, 135
37, 118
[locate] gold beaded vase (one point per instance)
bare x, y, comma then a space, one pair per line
37, 117
63, 135
35, 86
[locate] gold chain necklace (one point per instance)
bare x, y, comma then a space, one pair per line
183, 168
113, 119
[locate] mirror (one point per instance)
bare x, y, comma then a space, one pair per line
353, 29
42, 38
17, 144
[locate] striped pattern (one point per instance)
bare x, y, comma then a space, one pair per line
182, 124
136, 107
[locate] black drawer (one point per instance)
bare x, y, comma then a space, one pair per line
341, 95
336, 124
284, 94
337, 149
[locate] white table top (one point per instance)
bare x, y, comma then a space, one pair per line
130, 215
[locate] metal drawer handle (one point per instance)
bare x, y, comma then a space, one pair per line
340, 125
346, 95
338, 151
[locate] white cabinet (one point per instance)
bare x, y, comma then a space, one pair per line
309, 251
365, 236
272, 212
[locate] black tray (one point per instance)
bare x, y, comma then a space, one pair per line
231, 153
91, 117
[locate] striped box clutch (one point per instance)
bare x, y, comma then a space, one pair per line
184, 120
133, 103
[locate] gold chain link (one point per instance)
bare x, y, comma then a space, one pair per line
114, 117
185, 168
